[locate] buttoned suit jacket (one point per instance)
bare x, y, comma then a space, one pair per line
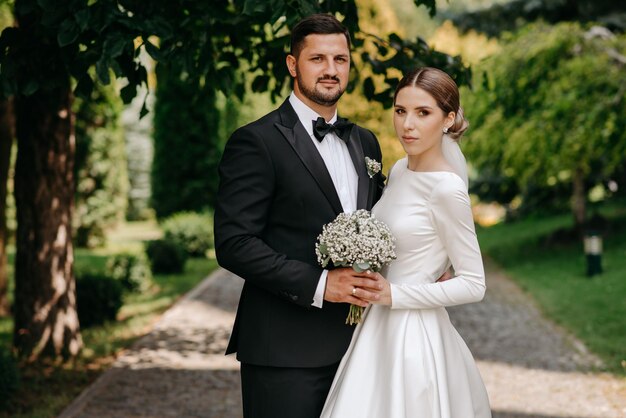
275, 195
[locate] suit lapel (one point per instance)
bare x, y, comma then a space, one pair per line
299, 139
358, 159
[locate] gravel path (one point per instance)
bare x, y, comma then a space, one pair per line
179, 369
531, 367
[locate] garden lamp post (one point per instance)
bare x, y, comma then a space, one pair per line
593, 252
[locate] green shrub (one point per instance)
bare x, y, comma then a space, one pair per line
192, 231
186, 119
98, 299
100, 166
9, 375
166, 257
132, 270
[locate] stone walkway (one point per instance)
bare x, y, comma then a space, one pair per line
531, 367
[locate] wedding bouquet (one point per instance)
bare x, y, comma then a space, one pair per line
356, 240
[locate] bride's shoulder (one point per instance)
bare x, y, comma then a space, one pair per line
450, 187
398, 166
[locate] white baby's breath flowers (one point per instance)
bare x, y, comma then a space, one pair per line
373, 166
356, 240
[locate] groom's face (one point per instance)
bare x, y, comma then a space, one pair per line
321, 68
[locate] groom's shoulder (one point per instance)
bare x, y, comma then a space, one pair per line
262, 124
365, 133
259, 131
368, 141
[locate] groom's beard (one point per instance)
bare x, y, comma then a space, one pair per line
320, 97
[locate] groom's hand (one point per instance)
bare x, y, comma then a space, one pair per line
348, 286
445, 276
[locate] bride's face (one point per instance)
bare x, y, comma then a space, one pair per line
419, 121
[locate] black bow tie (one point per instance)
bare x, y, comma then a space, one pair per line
341, 127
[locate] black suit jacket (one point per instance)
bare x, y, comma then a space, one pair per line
275, 194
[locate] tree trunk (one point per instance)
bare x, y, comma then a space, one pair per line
579, 199
6, 141
46, 322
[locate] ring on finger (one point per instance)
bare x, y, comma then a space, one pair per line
353, 291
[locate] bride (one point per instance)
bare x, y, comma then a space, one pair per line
406, 359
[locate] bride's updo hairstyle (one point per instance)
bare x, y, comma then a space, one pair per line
443, 89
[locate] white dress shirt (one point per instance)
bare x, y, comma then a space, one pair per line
336, 156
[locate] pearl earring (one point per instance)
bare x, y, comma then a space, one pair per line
445, 130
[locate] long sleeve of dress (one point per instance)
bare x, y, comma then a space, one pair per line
452, 218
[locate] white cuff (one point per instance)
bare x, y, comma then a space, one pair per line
318, 298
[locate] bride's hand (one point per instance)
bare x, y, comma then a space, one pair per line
385, 292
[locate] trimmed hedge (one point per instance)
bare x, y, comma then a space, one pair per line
9, 376
132, 270
98, 299
166, 257
192, 231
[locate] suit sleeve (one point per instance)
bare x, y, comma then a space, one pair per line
244, 199
452, 217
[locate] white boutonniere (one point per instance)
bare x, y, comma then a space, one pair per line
373, 166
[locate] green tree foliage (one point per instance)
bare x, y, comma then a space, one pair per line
101, 176
550, 112
511, 15
207, 41
186, 144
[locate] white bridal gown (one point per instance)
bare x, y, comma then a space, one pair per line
407, 360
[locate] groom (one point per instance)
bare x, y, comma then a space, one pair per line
281, 179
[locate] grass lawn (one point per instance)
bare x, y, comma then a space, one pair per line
549, 263
47, 388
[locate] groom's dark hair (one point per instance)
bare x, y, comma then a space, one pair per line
317, 24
